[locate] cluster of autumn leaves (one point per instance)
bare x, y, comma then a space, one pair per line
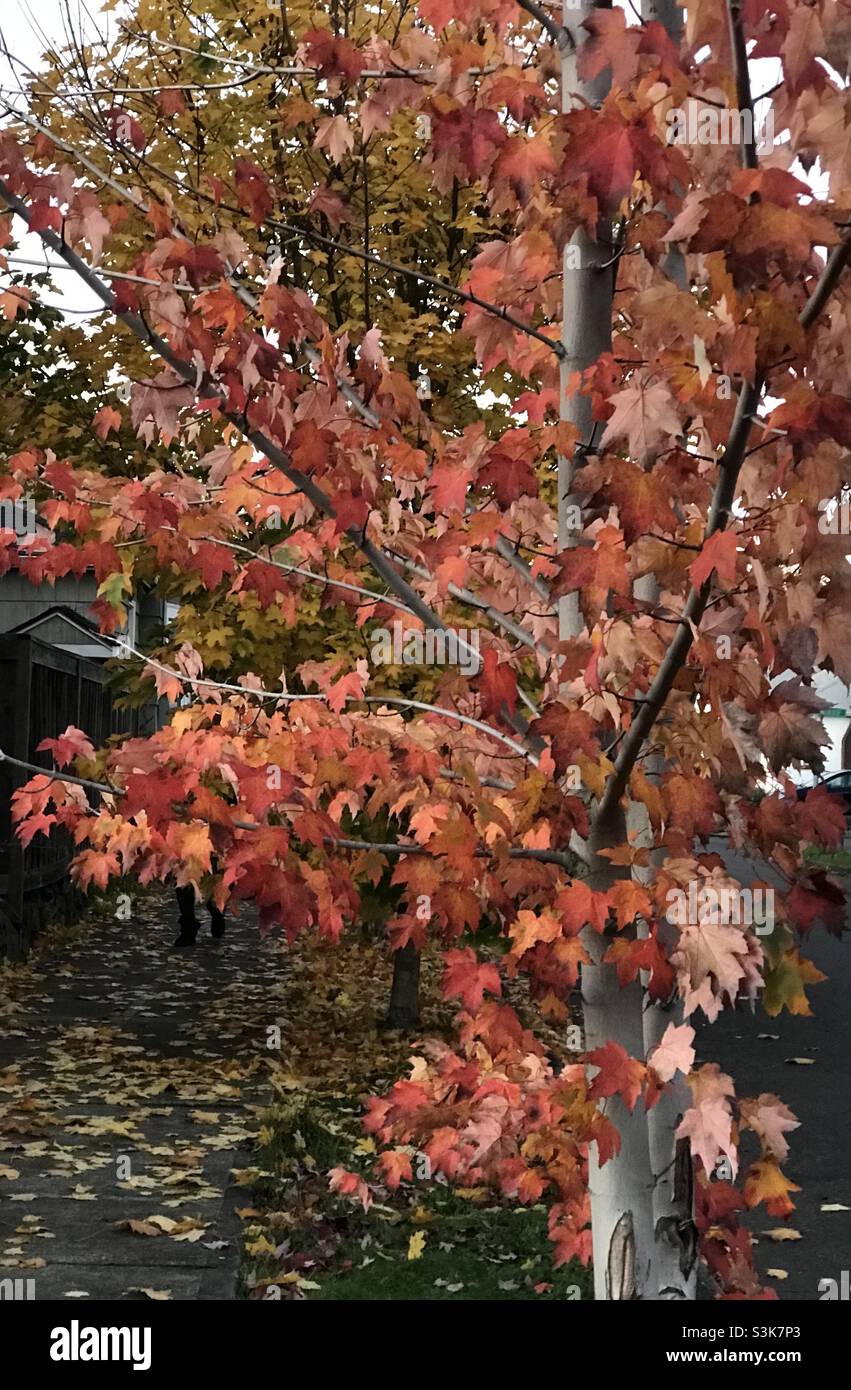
263, 281
491, 1111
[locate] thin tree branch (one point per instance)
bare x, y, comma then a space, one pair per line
211, 389
541, 856
729, 467
285, 697
264, 70
743, 84
502, 545
560, 35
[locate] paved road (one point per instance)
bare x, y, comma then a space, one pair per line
131, 1079
819, 1095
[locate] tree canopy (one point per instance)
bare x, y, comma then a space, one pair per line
425, 318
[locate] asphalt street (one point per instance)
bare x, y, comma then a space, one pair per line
757, 1051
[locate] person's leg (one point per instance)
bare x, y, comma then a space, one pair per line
188, 921
217, 920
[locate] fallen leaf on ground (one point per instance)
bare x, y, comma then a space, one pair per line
138, 1228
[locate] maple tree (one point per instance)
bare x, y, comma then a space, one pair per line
639, 356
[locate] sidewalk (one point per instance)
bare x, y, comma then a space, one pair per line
131, 1079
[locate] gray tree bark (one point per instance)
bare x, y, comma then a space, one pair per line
403, 1011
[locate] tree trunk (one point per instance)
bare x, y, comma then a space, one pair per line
641, 1223
404, 1009
621, 1190
675, 1254
675, 1234
587, 312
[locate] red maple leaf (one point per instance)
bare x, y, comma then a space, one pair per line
332, 56
125, 128
510, 476
718, 554
609, 151
252, 186
68, 746
34, 825
105, 420
497, 685
466, 979
395, 1168
523, 164
201, 263
618, 1075
581, 906
645, 953
817, 898
472, 137
157, 793
265, 580
213, 562
572, 731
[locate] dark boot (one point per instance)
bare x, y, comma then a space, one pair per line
217, 922
188, 921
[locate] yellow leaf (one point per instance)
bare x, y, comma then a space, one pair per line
262, 1246
416, 1245
164, 1223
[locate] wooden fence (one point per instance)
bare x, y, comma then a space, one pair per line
42, 690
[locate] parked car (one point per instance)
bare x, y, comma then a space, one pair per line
838, 784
